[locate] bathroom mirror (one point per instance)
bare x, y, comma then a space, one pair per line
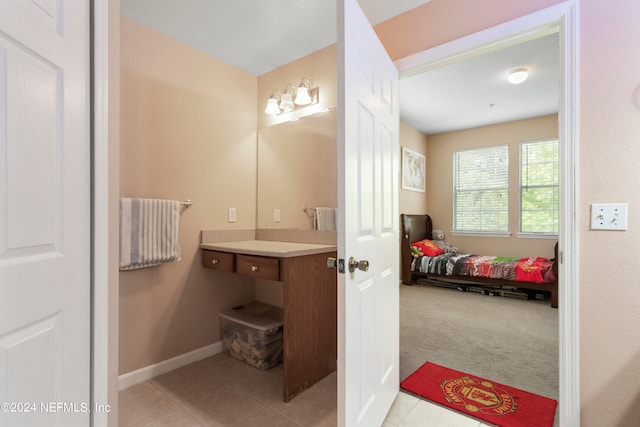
296, 169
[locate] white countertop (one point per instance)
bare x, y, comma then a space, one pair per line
269, 248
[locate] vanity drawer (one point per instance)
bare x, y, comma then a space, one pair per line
222, 261
258, 266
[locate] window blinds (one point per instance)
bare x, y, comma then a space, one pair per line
480, 194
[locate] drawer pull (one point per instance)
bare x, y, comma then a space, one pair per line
254, 268
214, 261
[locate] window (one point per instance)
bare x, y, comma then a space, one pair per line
539, 187
480, 190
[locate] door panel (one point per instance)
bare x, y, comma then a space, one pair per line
31, 164
368, 374
44, 213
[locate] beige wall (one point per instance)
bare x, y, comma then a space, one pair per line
609, 172
440, 183
609, 154
413, 202
188, 131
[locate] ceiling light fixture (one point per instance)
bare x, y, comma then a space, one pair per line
517, 76
285, 102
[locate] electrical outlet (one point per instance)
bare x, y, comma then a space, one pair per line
276, 215
609, 216
232, 214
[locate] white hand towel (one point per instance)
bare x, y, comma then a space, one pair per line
325, 219
148, 232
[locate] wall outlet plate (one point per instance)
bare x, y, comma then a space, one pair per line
232, 214
609, 216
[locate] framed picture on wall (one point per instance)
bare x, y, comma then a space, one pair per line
413, 170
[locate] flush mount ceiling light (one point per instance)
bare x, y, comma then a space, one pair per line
517, 76
285, 102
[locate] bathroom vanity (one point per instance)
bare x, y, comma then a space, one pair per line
309, 300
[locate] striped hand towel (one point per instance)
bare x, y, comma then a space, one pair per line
148, 232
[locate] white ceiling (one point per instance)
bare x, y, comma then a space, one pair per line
261, 35
475, 92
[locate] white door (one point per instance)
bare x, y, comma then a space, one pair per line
368, 371
44, 213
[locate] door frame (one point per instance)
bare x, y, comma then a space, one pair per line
562, 18
105, 110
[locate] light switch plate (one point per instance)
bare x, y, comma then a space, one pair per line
609, 216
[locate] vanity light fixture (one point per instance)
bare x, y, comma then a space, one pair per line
285, 102
517, 76
302, 95
272, 104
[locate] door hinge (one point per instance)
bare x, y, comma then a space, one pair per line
336, 263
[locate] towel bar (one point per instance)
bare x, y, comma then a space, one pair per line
186, 203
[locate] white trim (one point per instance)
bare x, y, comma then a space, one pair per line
527, 27
104, 333
569, 230
502, 235
152, 371
105, 188
563, 17
549, 236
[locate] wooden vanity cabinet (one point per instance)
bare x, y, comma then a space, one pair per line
216, 260
310, 310
260, 267
310, 321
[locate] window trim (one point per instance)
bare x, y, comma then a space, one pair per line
470, 233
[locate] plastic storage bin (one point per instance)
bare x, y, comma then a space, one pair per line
253, 334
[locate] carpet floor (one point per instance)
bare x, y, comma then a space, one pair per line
511, 341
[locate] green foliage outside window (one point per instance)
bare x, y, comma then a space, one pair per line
539, 200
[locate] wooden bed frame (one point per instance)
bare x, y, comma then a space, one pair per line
419, 227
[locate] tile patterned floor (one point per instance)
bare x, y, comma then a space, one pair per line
220, 391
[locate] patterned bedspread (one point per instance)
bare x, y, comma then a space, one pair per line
536, 270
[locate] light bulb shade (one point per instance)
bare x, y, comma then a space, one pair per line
286, 102
272, 106
302, 95
518, 76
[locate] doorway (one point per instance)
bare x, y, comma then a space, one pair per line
561, 18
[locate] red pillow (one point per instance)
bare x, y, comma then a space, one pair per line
427, 247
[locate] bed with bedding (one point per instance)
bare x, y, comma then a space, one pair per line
422, 259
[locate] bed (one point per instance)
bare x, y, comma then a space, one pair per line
532, 274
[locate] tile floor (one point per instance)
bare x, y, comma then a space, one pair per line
220, 391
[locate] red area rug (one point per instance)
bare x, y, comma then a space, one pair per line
480, 398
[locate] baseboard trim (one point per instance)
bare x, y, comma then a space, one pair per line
151, 371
